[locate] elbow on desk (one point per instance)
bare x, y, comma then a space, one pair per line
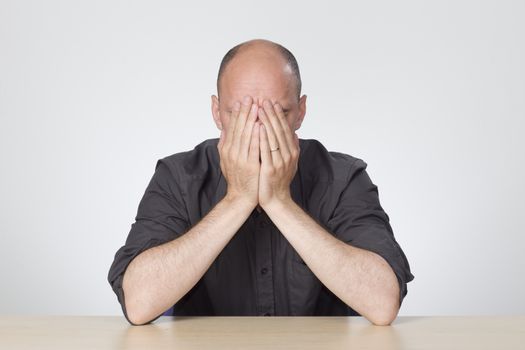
136, 314
137, 318
387, 321
383, 317
133, 317
386, 312
133, 308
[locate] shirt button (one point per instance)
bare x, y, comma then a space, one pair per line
264, 270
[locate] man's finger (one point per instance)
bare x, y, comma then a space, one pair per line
254, 153
271, 140
228, 139
276, 131
247, 132
241, 121
221, 141
265, 147
288, 135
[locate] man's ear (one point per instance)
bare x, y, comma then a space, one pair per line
215, 111
302, 112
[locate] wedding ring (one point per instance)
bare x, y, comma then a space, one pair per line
272, 150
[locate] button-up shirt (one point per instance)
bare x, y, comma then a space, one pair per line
259, 272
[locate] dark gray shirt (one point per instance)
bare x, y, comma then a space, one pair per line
259, 272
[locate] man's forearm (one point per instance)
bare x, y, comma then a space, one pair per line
158, 277
360, 278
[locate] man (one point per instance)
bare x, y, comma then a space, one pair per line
258, 221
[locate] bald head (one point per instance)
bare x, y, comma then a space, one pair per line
260, 57
265, 71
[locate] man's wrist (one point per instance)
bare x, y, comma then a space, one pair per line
239, 202
278, 205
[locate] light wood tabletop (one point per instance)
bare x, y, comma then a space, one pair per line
168, 332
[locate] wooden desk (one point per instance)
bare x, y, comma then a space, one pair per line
113, 332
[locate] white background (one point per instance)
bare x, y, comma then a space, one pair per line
430, 94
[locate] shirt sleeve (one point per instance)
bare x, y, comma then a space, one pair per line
359, 220
161, 217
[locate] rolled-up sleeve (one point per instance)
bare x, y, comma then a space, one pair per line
360, 221
161, 217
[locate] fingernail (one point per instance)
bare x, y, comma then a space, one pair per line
246, 100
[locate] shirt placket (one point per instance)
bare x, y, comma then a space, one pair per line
264, 268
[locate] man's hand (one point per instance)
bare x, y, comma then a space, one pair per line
278, 167
239, 152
